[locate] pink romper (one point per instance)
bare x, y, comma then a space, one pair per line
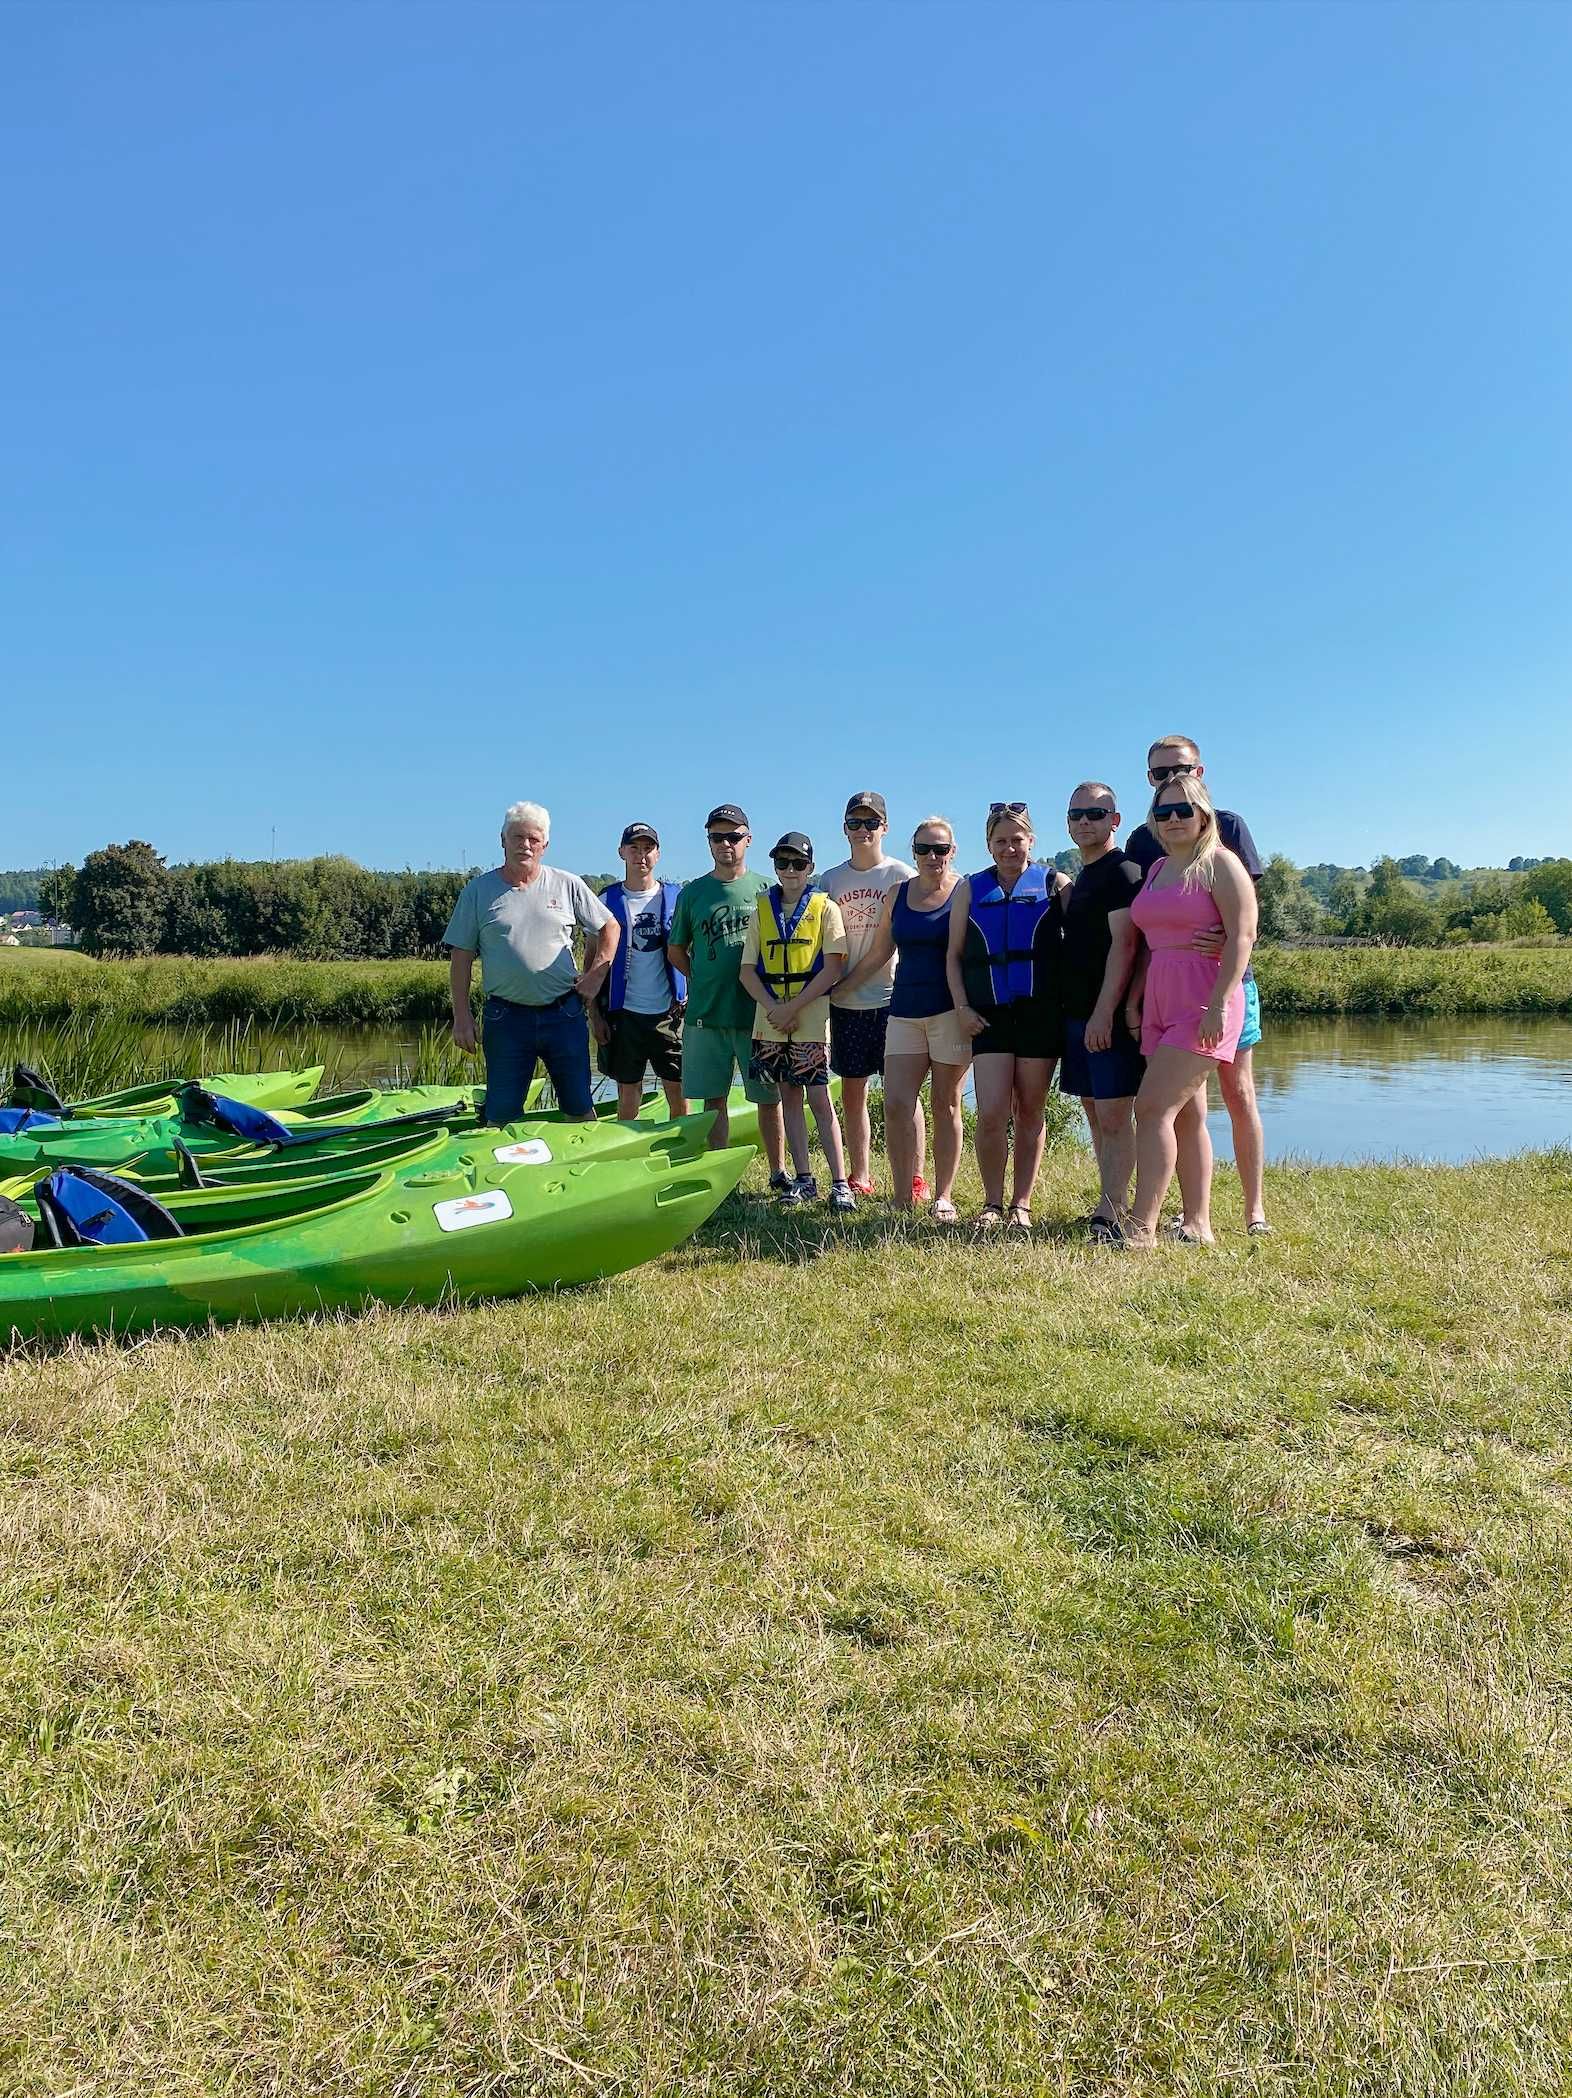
1179, 980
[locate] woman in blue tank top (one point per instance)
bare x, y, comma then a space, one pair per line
923, 1040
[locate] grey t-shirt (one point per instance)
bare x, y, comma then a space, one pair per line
524, 937
860, 892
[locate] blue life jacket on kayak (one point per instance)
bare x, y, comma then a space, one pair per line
615, 899
13, 1120
28, 1089
1008, 927
78, 1207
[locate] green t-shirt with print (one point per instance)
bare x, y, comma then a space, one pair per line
711, 920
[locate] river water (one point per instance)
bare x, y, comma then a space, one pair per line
1350, 1089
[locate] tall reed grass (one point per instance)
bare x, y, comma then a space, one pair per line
1417, 980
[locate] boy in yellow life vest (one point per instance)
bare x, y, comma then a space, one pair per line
793, 955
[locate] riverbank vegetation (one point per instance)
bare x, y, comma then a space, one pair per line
1045, 1672
43, 987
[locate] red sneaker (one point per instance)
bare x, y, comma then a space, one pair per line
860, 1187
920, 1188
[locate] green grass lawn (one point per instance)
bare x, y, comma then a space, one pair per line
827, 1661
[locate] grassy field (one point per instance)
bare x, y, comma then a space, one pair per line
36, 987
829, 1661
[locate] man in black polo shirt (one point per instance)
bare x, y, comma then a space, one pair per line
1179, 757
1102, 1061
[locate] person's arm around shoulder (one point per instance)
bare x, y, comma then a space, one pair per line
970, 1021
1234, 894
880, 949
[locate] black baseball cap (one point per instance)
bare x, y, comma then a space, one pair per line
870, 800
728, 812
639, 830
794, 841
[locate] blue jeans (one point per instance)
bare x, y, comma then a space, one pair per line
516, 1037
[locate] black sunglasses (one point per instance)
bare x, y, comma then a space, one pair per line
1159, 773
1174, 812
862, 822
1007, 808
1090, 815
790, 861
726, 837
934, 851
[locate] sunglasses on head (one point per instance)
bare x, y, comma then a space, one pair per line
788, 863
1007, 808
727, 837
933, 851
1162, 772
1088, 815
1174, 812
862, 822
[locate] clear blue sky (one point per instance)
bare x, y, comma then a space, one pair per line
410, 408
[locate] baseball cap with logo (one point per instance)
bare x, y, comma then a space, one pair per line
793, 841
639, 830
728, 813
870, 800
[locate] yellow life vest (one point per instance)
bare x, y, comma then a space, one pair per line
790, 954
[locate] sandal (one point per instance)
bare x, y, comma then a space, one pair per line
944, 1211
1258, 1227
988, 1220
1020, 1219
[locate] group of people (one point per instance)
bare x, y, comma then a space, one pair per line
1133, 978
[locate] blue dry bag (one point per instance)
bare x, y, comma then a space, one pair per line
15, 1120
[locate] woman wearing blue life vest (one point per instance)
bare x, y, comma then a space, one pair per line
923, 1039
1006, 930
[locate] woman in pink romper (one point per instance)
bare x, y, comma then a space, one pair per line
1191, 1007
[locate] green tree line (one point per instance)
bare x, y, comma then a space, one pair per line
124, 900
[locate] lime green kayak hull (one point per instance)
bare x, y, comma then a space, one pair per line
267, 1089
445, 1232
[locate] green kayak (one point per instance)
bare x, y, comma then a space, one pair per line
118, 1140
376, 1148
411, 1238
271, 1090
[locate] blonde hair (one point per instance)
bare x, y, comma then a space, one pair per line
1202, 869
936, 823
1021, 816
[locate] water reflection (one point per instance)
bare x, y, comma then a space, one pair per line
1450, 1090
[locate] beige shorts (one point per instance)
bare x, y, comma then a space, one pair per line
939, 1039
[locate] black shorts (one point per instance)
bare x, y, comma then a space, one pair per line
857, 1041
640, 1039
1024, 1027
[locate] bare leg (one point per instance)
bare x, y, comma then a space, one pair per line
1194, 1141
1114, 1124
829, 1128
1236, 1083
859, 1136
791, 1112
1032, 1076
993, 1077
1093, 1127
720, 1133
949, 1082
1173, 1076
772, 1134
630, 1098
903, 1077
675, 1103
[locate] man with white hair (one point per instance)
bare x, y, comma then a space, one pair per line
519, 918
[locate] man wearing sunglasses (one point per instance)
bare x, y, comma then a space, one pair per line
1102, 1060
708, 927
1177, 758
858, 1017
